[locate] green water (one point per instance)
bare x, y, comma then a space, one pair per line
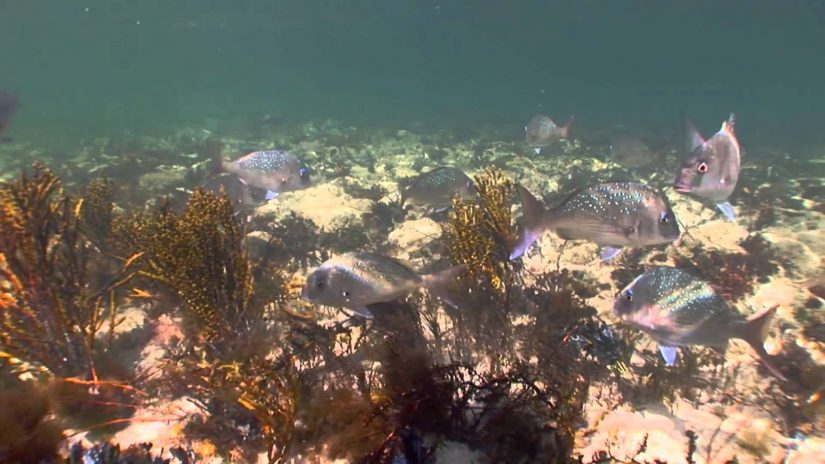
96, 68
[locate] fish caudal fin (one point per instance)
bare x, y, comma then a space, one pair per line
692, 136
217, 163
534, 221
537, 150
437, 282
727, 209
754, 331
565, 131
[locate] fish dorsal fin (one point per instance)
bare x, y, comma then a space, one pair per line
729, 124
692, 136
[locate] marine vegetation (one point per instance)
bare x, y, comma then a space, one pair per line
199, 256
482, 232
51, 314
733, 274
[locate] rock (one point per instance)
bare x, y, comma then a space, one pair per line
413, 235
327, 205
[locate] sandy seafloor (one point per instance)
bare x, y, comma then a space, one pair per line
744, 415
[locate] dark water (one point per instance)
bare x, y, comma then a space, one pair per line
90, 68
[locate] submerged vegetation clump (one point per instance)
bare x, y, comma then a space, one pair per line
200, 257
51, 315
481, 233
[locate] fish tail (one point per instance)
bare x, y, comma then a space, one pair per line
213, 150
566, 129
535, 221
755, 331
437, 282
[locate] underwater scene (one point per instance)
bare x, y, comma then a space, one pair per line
412, 231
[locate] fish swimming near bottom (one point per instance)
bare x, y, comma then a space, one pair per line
438, 187
541, 131
8, 105
276, 171
711, 169
613, 215
357, 280
678, 309
631, 152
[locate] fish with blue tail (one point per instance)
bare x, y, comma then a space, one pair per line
276, 171
711, 169
8, 106
613, 215
678, 309
438, 187
356, 280
542, 131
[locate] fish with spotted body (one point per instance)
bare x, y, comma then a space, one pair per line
613, 215
711, 169
438, 187
542, 131
356, 280
276, 171
678, 309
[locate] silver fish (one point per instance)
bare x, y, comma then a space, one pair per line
542, 131
8, 105
631, 152
677, 309
276, 171
356, 280
438, 187
613, 215
711, 169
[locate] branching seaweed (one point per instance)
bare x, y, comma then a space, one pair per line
50, 313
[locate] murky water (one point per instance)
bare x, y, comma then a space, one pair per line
154, 294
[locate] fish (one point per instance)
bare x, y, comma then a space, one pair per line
8, 106
275, 171
631, 152
613, 215
711, 169
356, 280
542, 131
243, 196
678, 309
438, 187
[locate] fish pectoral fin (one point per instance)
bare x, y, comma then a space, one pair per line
362, 311
668, 354
727, 209
270, 195
609, 253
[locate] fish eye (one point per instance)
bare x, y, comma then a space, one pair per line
628, 294
320, 285
664, 218
303, 172
703, 167
345, 293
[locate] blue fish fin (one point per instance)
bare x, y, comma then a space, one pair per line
538, 150
535, 219
668, 354
363, 312
727, 209
609, 253
270, 195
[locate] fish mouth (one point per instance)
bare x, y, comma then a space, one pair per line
681, 187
